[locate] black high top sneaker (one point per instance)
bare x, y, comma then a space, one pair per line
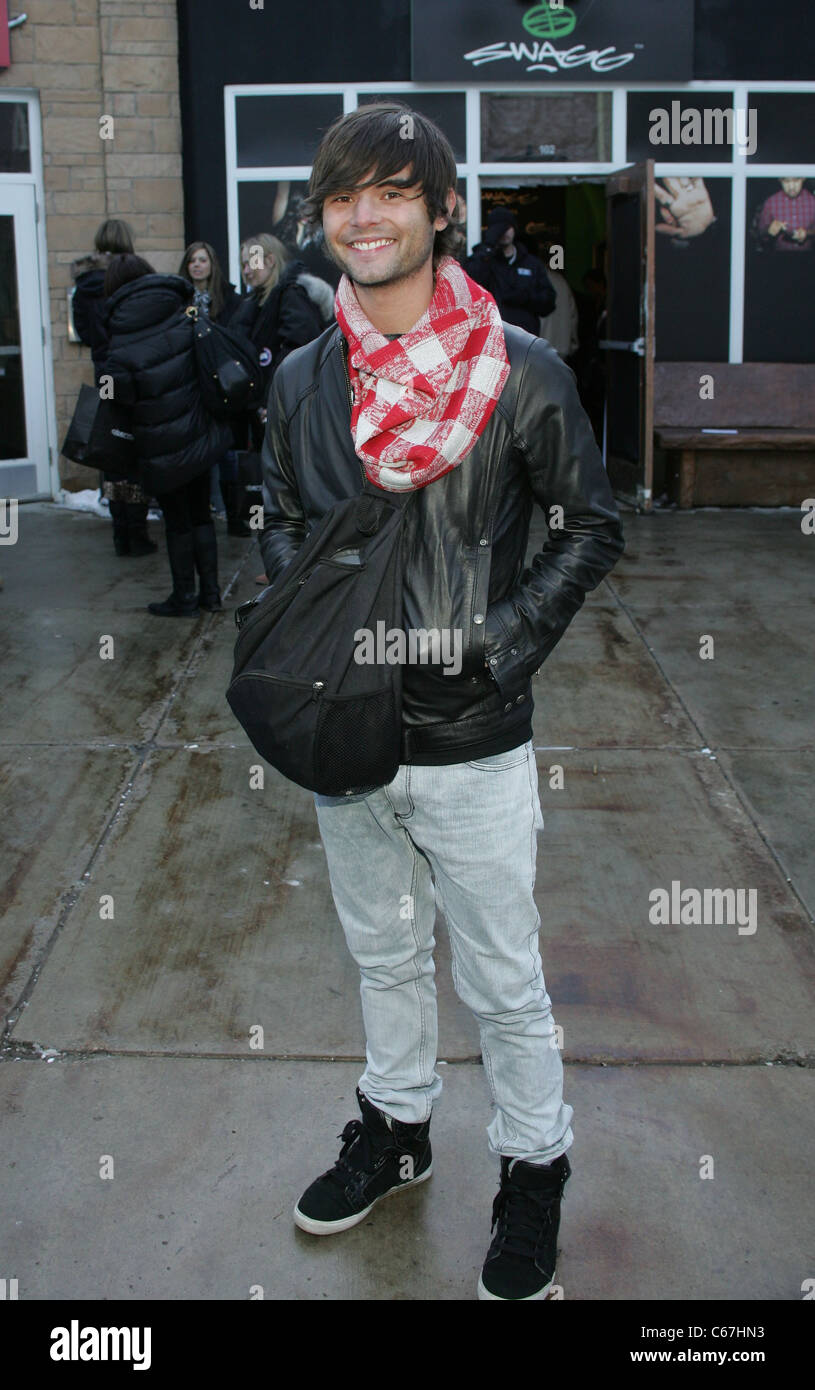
520, 1262
378, 1155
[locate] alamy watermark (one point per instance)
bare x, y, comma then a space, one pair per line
76, 1343
413, 646
704, 907
713, 125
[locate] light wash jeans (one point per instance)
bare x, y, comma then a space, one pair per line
470, 829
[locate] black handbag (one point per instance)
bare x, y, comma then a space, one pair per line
229, 371
100, 435
324, 718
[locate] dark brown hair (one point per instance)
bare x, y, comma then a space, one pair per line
115, 237
217, 283
122, 270
374, 143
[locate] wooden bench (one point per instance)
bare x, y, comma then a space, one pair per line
767, 460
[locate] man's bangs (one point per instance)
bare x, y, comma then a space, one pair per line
354, 171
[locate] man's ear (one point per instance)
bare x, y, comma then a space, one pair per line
452, 199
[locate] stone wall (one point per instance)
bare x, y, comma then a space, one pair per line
88, 59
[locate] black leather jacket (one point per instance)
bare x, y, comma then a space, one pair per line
465, 535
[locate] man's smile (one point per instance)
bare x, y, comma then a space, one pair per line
369, 244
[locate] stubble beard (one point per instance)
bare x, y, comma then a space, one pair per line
400, 272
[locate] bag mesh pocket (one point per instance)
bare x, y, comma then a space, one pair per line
358, 743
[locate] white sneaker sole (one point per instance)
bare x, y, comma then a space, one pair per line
530, 1298
330, 1228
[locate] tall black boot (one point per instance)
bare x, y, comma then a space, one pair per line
183, 601
140, 543
234, 495
205, 546
121, 532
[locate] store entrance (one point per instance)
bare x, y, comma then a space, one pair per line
567, 213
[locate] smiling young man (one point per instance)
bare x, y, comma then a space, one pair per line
423, 387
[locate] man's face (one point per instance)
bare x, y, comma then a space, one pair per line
380, 234
506, 242
792, 187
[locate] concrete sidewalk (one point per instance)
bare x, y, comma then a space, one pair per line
689, 1049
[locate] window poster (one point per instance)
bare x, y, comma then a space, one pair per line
692, 272
779, 270
276, 207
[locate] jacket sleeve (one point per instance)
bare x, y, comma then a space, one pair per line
297, 322
284, 522
585, 539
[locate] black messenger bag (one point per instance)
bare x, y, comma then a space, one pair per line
228, 365
324, 718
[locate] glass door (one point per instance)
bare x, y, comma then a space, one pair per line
23, 439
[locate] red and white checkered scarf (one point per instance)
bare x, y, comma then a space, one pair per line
422, 400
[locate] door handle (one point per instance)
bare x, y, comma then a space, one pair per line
616, 345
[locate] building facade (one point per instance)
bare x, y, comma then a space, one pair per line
544, 105
89, 129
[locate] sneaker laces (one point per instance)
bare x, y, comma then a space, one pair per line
521, 1215
356, 1140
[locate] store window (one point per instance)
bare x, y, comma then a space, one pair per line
274, 130
785, 127
276, 206
675, 127
15, 150
447, 109
529, 127
692, 273
779, 270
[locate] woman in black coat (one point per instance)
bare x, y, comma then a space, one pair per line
285, 309
126, 499
214, 296
279, 314
152, 362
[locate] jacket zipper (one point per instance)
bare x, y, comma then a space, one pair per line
344, 353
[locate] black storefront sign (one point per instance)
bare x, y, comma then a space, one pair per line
603, 41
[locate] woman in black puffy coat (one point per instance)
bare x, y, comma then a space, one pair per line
151, 359
126, 499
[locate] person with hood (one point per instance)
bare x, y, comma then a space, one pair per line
151, 359
216, 298
516, 279
126, 498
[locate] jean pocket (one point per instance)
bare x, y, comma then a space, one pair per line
501, 762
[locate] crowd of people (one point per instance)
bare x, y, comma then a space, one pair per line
137, 325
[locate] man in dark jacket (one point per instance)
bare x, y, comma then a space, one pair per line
424, 388
516, 279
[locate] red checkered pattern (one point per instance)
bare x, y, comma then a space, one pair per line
421, 401
796, 212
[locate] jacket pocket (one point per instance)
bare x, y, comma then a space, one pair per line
478, 611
